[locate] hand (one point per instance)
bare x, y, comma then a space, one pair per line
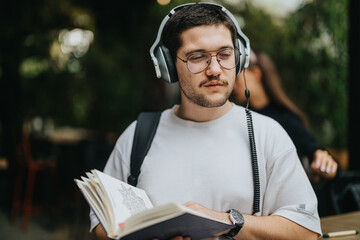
324, 165
222, 216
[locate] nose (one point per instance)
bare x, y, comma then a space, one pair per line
214, 67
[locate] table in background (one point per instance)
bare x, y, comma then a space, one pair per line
341, 222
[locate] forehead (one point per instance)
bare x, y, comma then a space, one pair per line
205, 38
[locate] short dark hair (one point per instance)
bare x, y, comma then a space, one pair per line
193, 16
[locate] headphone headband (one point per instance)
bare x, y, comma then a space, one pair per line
160, 55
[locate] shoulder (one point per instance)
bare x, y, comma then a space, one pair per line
265, 128
260, 121
118, 163
127, 136
270, 128
267, 124
271, 136
120, 156
124, 142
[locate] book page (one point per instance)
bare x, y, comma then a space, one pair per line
105, 202
124, 199
97, 199
84, 187
95, 186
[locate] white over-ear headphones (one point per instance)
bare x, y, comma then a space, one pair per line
163, 62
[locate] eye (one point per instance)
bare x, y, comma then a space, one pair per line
198, 57
225, 54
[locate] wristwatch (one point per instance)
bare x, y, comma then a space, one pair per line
238, 220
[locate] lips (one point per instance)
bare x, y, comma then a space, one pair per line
213, 84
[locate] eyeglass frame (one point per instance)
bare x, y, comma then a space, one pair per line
211, 56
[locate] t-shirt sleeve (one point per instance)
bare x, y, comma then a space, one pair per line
288, 191
304, 142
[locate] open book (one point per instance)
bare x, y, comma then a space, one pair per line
126, 212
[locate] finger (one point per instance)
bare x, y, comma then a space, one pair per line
188, 204
315, 165
334, 165
329, 162
194, 205
324, 160
330, 165
324, 164
318, 164
332, 169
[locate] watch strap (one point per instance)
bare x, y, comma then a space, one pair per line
232, 233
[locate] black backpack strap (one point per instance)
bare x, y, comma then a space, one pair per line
147, 123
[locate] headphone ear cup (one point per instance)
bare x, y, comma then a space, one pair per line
166, 64
240, 46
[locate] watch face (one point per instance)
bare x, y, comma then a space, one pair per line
238, 220
236, 217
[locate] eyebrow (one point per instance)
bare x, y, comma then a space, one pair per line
188, 53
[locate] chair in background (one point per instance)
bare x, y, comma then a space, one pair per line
27, 163
345, 192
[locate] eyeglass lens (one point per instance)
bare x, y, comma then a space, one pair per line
227, 58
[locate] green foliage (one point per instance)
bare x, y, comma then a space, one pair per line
102, 89
114, 80
316, 60
309, 48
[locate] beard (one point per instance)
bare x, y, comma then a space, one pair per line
203, 99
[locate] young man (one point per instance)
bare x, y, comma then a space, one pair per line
200, 155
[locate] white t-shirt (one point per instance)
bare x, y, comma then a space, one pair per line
210, 163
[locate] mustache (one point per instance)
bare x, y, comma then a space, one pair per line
213, 78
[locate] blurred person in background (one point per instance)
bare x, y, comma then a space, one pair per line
269, 98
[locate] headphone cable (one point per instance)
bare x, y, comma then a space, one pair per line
254, 161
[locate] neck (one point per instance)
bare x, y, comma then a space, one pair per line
258, 98
259, 103
193, 112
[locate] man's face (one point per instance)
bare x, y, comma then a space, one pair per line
213, 86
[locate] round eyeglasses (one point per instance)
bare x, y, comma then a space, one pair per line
199, 61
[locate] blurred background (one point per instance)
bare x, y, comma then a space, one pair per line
74, 74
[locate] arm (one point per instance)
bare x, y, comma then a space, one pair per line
273, 227
260, 227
